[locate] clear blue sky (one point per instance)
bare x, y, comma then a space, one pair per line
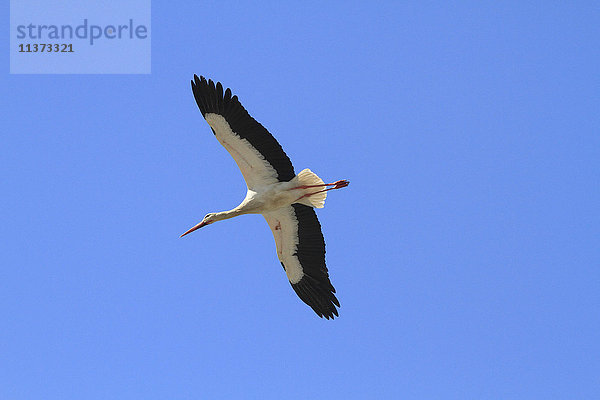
465, 251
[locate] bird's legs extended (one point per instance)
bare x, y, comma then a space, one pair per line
336, 185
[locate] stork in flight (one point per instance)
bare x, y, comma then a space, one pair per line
285, 199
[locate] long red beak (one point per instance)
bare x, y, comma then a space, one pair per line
200, 225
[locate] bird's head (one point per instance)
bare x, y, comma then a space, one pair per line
207, 220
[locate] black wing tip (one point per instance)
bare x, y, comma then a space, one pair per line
198, 81
320, 298
209, 96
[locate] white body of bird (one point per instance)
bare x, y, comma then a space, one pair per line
304, 188
301, 190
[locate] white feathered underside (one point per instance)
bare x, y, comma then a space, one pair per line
257, 171
284, 225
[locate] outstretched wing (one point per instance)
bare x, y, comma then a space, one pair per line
256, 152
301, 251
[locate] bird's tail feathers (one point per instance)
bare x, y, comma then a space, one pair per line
308, 178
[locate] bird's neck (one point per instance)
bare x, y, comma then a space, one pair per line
220, 216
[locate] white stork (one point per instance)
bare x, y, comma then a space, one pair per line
285, 199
